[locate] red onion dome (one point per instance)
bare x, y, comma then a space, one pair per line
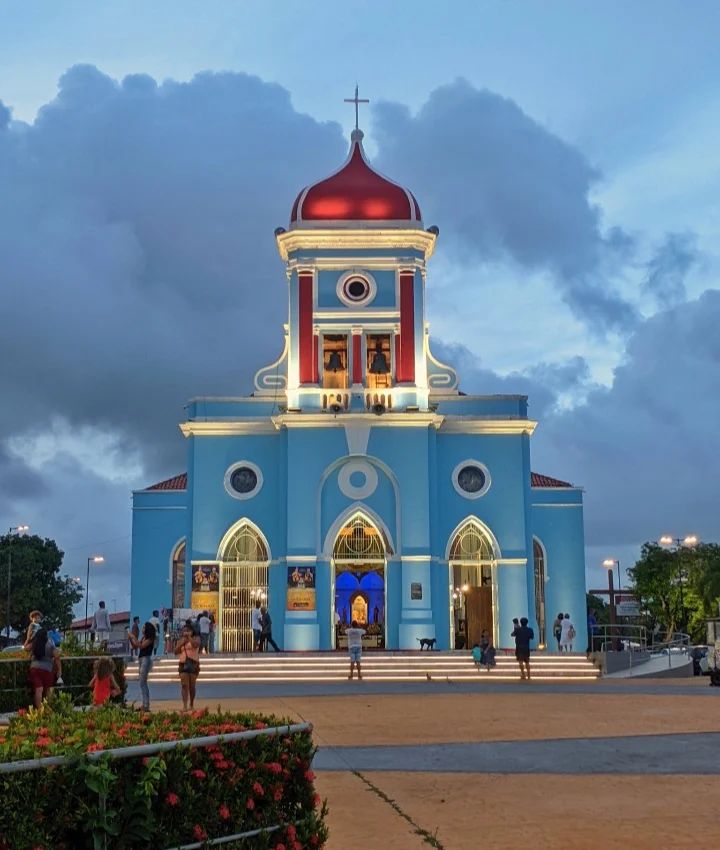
355, 193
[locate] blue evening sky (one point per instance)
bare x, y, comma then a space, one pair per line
617, 107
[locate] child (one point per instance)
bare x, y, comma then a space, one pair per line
477, 656
103, 681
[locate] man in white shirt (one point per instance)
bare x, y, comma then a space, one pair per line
204, 626
256, 626
101, 624
354, 638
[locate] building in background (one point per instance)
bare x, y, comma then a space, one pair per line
357, 481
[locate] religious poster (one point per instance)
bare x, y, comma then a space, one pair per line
301, 589
205, 588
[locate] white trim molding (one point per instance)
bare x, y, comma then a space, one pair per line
323, 238
357, 491
227, 481
227, 427
489, 425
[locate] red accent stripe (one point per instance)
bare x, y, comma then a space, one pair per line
357, 359
406, 362
305, 327
315, 377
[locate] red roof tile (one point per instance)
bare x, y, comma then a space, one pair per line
537, 480
177, 482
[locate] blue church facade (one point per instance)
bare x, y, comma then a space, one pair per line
357, 481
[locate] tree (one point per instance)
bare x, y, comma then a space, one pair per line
36, 582
599, 608
679, 587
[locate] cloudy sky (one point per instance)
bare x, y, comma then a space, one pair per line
568, 151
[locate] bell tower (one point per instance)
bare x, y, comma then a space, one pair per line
356, 253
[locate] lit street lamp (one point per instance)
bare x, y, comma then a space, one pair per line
680, 543
93, 559
610, 563
14, 530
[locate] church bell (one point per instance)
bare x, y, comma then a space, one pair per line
334, 363
379, 365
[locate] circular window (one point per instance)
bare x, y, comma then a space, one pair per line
243, 480
356, 289
471, 479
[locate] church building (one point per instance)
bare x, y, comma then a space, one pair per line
357, 481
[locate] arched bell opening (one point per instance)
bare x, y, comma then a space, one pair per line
359, 589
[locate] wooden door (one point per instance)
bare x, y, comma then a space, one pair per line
479, 613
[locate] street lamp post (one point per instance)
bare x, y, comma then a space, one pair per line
14, 529
610, 563
688, 542
93, 559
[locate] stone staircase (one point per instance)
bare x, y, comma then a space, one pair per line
376, 666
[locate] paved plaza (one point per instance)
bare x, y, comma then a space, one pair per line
461, 766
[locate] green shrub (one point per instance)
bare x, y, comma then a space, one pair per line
188, 794
77, 671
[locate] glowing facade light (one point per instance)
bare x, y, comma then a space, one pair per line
666, 540
609, 563
691, 540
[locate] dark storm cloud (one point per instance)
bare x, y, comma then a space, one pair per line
503, 187
645, 449
669, 267
18, 482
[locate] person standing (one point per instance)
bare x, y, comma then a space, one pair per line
266, 629
593, 629
567, 635
188, 653
213, 631
101, 624
354, 638
256, 622
42, 666
135, 632
204, 629
145, 647
557, 629
155, 620
523, 634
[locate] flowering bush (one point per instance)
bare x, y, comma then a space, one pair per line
77, 672
188, 794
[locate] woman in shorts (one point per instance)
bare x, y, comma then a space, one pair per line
188, 653
42, 666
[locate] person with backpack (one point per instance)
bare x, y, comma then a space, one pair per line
523, 634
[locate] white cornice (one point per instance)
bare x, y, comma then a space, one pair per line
486, 425
227, 427
355, 239
327, 420
373, 263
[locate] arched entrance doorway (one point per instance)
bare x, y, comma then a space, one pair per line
359, 560
243, 580
472, 573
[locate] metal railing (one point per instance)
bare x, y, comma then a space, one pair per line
142, 750
633, 640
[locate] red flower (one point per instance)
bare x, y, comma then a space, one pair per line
43, 741
93, 748
198, 774
258, 789
224, 812
291, 832
314, 840
296, 845
277, 795
22, 712
279, 847
172, 799
310, 776
274, 767
250, 803
221, 764
199, 832
317, 801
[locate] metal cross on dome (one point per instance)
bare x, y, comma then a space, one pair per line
356, 100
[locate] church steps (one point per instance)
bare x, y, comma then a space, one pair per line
333, 667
